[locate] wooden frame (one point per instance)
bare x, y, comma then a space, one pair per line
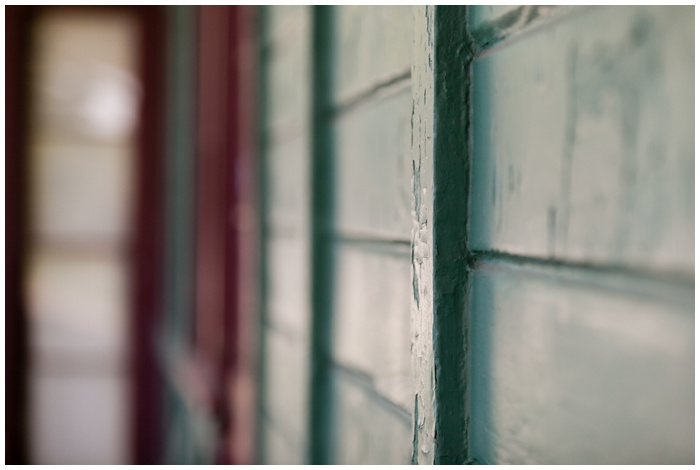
440, 74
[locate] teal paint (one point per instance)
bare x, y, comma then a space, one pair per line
580, 369
322, 263
585, 137
179, 174
455, 388
581, 303
441, 126
489, 28
183, 445
335, 113
451, 176
416, 432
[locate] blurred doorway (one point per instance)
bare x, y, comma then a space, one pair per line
83, 107
84, 98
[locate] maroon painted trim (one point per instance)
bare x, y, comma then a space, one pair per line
225, 224
17, 26
213, 255
147, 249
231, 311
243, 263
225, 221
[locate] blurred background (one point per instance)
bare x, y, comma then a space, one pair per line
219, 235
107, 109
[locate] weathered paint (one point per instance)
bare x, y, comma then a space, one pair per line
422, 126
441, 64
371, 330
491, 25
286, 395
583, 149
287, 22
573, 368
532, 269
373, 167
287, 81
373, 47
361, 220
285, 330
581, 230
286, 53
289, 179
367, 428
288, 304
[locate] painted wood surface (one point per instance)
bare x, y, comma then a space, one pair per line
288, 305
285, 397
372, 46
286, 216
371, 331
440, 322
367, 429
373, 167
581, 230
422, 320
367, 120
289, 179
287, 57
336, 148
576, 157
571, 368
287, 79
278, 449
488, 25
242, 388
584, 142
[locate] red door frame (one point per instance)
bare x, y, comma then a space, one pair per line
245, 205
225, 230
212, 258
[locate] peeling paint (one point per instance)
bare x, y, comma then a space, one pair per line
439, 246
